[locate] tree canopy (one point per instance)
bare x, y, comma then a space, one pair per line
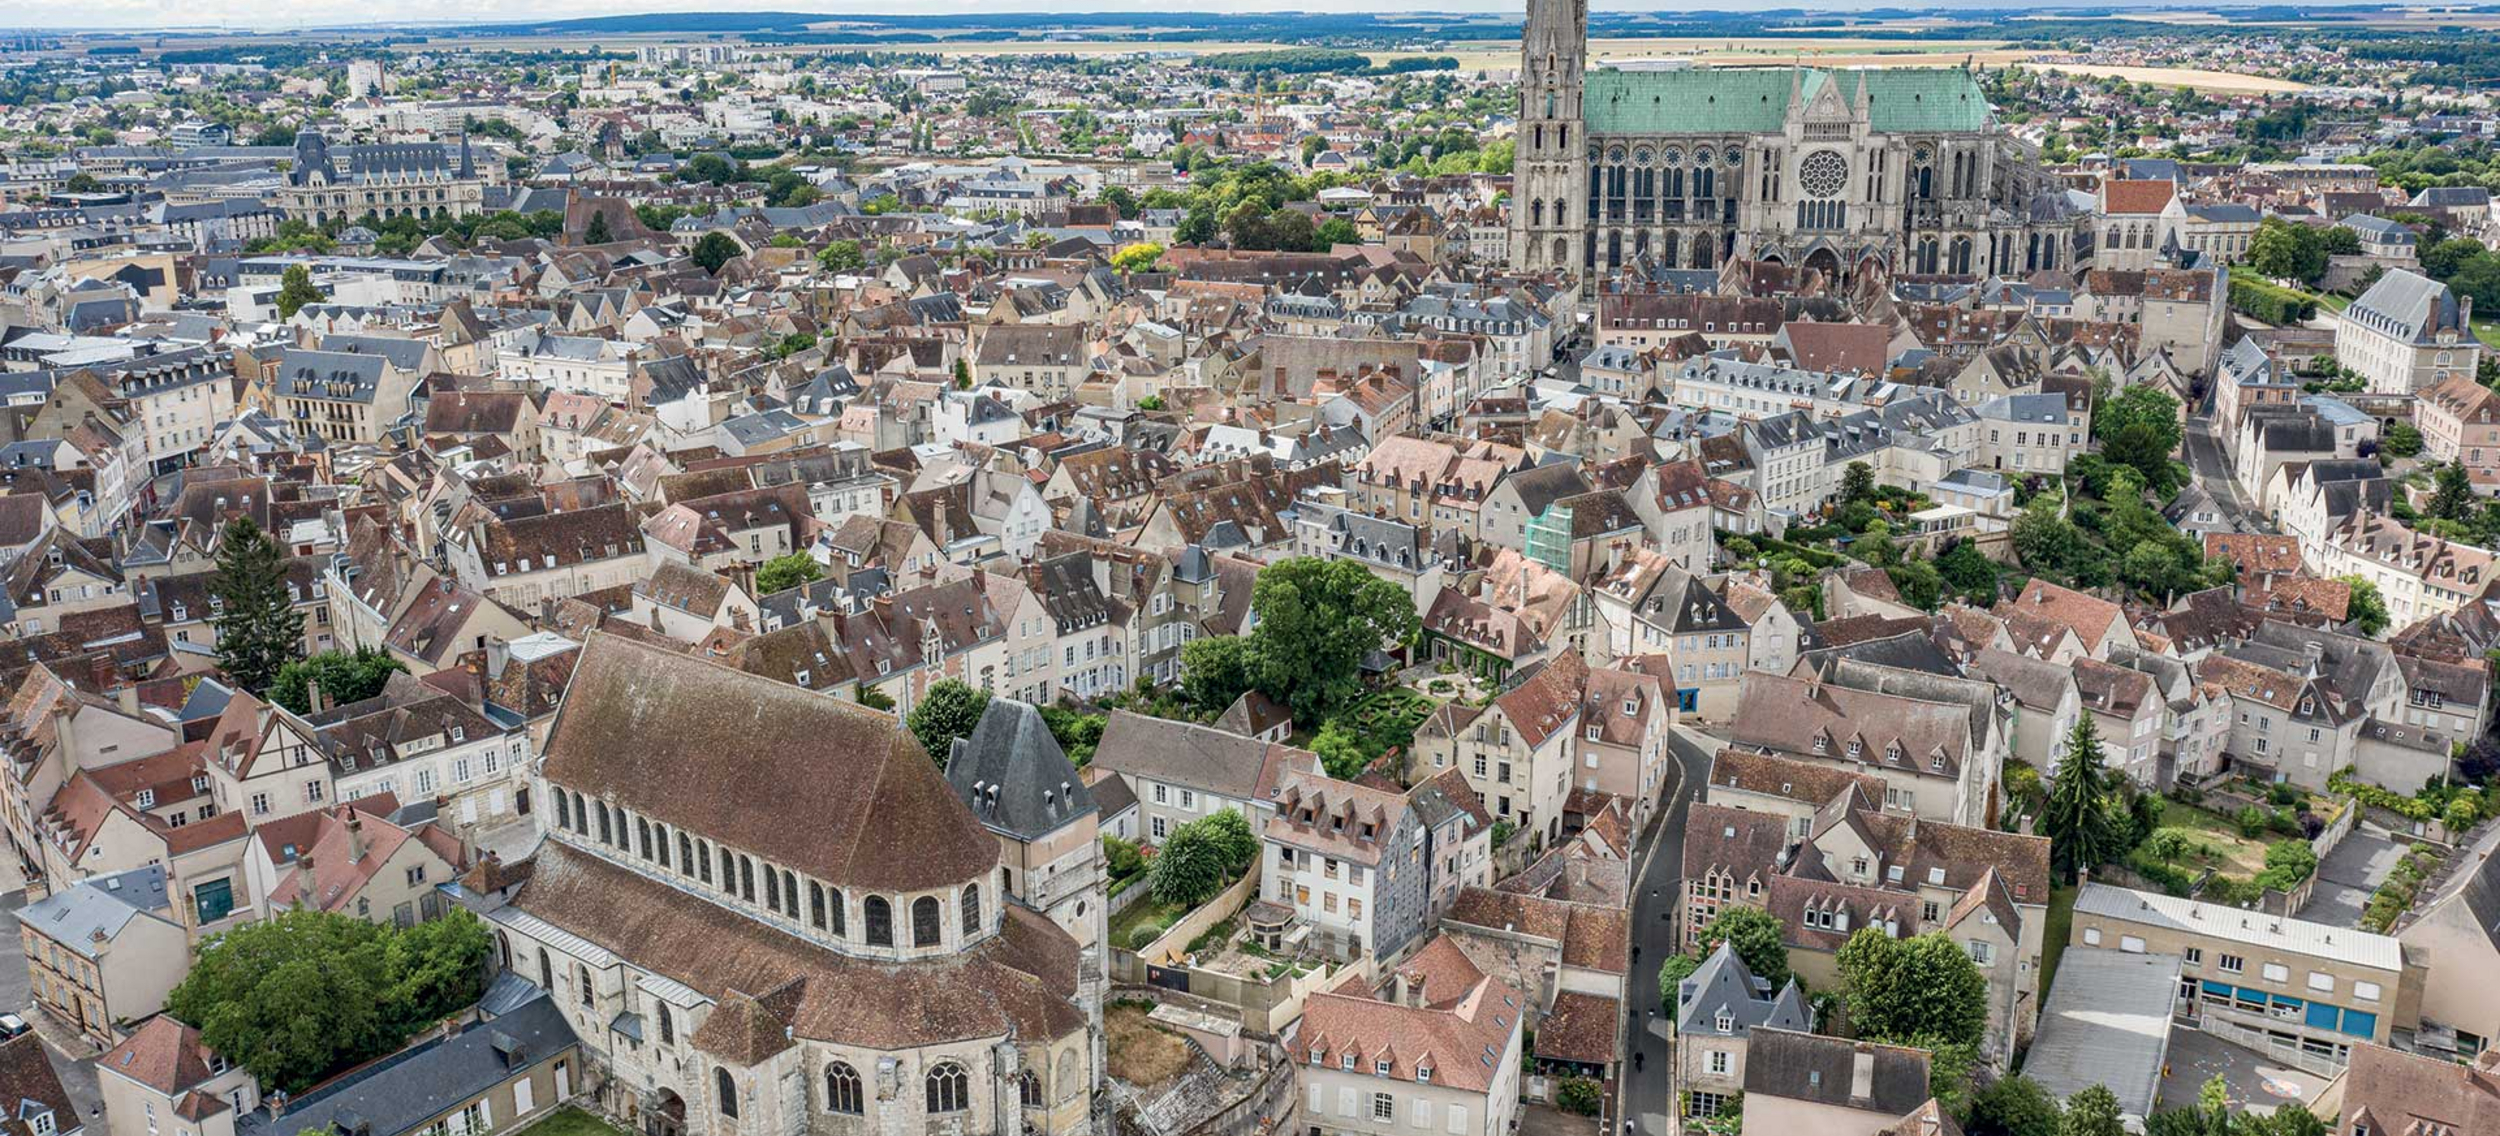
2080, 814
1921, 991
1316, 620
782, 573
307, 993
258, 629
345, 676
949, 710
1756, 935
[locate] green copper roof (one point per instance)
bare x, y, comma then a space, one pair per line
1750, 100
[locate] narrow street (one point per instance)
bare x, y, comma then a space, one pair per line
1648, 1097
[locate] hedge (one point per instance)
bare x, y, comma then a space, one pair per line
2271, 303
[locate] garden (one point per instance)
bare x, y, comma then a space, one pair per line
2262, 844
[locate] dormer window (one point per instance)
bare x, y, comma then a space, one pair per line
1346, 1063
1856, 747
1423, 1074
1380, 1068
1726, 1022
147, 798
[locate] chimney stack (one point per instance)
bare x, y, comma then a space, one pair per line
1861, 1075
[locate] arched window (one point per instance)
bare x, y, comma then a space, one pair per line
685, 856
950, 1089
546, 972
727, 1087
772, 889
880, 916
703, 859
659, 841
972, 909
1065, 1081
642, 837
1029, 1086
790, 895
581, 974
728, 872
668, 1026
924, 922
746, 878
816, 904
842, 1093
564, 811
606, 834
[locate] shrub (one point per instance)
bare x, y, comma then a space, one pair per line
2282, 794
1579, 1096
1144, 934
2270, 303
2251, 821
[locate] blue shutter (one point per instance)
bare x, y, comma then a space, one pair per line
2360, 1024
2321, 1015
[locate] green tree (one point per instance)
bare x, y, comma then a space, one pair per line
2287, 251
1190, 867
2157, 412
1317, 619
1857, 483
2092, 1112
596, 232
714, 250
2014, 1106
1671, 976
1757, 937
345, 676
1969, 572
1579, 1096
1335, 231
1923, 990
306, 993
843, 256
949, 710
2292, 1119
258, 629
432, 969
2366, 607
2044, 539
81, 182
1215, 671
295, 289
1340, 752
1138, 257
2453, 499
2079, 816
1230, 832
782, 573
2401, 440
1120, 857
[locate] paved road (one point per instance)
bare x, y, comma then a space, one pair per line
2213, 471
1648, 1093
2348, 876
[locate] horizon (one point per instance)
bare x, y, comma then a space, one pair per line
237, 17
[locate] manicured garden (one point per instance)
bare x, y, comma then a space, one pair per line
572, 1121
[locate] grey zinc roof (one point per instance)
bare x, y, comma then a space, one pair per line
1014, 775
2409, 306
1722, 986
94, 912
2107, 1023
402, 1092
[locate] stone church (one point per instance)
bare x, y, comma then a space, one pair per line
1836, 170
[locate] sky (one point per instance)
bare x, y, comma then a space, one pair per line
254, 14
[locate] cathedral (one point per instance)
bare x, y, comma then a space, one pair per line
1835, 170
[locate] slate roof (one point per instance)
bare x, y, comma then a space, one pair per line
1013, 775
404, 1091
1816, 1069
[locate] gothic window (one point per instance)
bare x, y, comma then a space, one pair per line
950, 1088
772, 890
816, 904
1536, 211
925, 931
727, 1087
880, 916
642, 836
1706, 181
581, 975
1066, 1079
842, 1093
972, 909
546, 971
703, 860
1823, 173
606, 835
668, 1026
841, 916
564, 811
1029, 1086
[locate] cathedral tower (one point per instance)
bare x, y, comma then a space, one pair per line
1549, 186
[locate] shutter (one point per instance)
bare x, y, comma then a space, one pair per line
523, 1095
1319, 1103
1423, 1114
1345, 1103
486, 1114
1458, 1120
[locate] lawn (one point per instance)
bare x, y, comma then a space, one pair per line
2053, 942
2489, 332
1137, 914
572, 1121
2225, 850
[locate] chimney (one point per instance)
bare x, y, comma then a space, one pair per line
314, 699
1861, 1075
304, 878
498, 654
355, 837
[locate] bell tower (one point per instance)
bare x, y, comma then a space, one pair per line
1549, 189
